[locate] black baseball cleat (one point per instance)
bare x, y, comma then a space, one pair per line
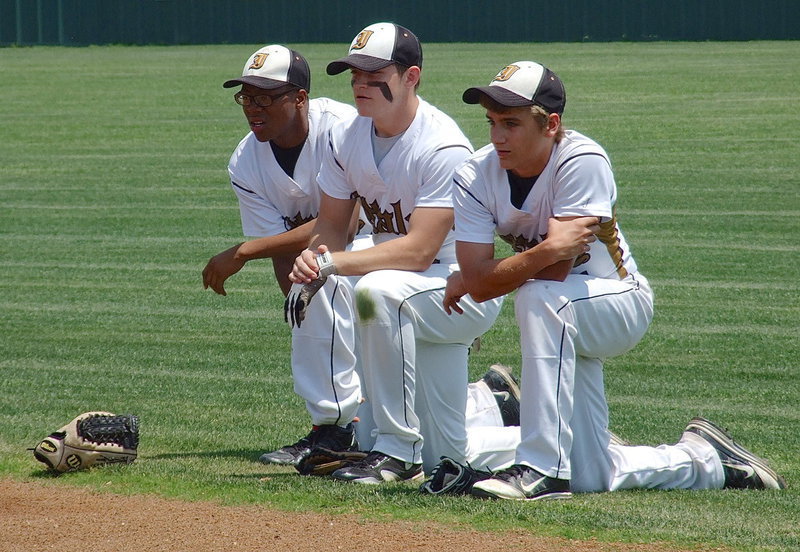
505, 388
742, 468
521, 482
500, 378
331, 437
508, 406
379, 468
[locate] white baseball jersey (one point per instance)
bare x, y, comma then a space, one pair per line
270, 201
416, 172
577, 181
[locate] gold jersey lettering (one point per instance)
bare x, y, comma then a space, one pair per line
520, 243
291, 223
385, 222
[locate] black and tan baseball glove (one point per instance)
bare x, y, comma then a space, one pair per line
450, 477
323, 461
90, 439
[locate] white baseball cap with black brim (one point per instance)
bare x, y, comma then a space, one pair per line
521, 84
272, 67
378, 46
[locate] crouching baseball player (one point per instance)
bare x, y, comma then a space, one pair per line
571, 314
273, 172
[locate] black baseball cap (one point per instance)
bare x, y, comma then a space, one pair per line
378, 46
272, 67
522, 84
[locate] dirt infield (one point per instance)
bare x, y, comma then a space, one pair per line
36, 517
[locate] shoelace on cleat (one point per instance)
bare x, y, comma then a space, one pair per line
510, 473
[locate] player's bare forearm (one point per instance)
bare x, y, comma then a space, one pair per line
396, 254
334, 225
415, 251
290, 242
331, 232
486, 277
490, 278
567, 238
556, 271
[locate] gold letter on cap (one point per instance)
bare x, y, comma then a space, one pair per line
361, 40
258, 61
506, 73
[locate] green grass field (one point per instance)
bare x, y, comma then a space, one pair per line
114, 193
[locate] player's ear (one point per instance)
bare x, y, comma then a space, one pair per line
301, 99
553, 124
411, 76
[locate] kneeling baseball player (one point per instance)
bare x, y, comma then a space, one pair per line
571, 313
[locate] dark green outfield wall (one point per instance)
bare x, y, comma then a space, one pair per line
83, 22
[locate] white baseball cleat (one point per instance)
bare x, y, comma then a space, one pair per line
520, 482
379, 468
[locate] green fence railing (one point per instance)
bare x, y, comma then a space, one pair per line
83, 22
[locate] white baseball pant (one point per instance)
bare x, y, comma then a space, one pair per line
567, 329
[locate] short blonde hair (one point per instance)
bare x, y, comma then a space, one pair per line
540, 115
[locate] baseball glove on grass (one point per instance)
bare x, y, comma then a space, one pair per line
450, 477
323, 461
91, 438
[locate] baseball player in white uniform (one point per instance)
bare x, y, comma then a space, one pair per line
273, 172
396, 159
572, 313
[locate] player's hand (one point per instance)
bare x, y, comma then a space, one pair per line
305, 266
453, 293
571, 238
220, 267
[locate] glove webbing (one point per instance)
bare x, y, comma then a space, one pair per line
120, 430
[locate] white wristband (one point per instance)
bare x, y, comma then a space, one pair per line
325, 264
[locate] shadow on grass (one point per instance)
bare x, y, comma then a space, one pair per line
251, 455
45, 474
